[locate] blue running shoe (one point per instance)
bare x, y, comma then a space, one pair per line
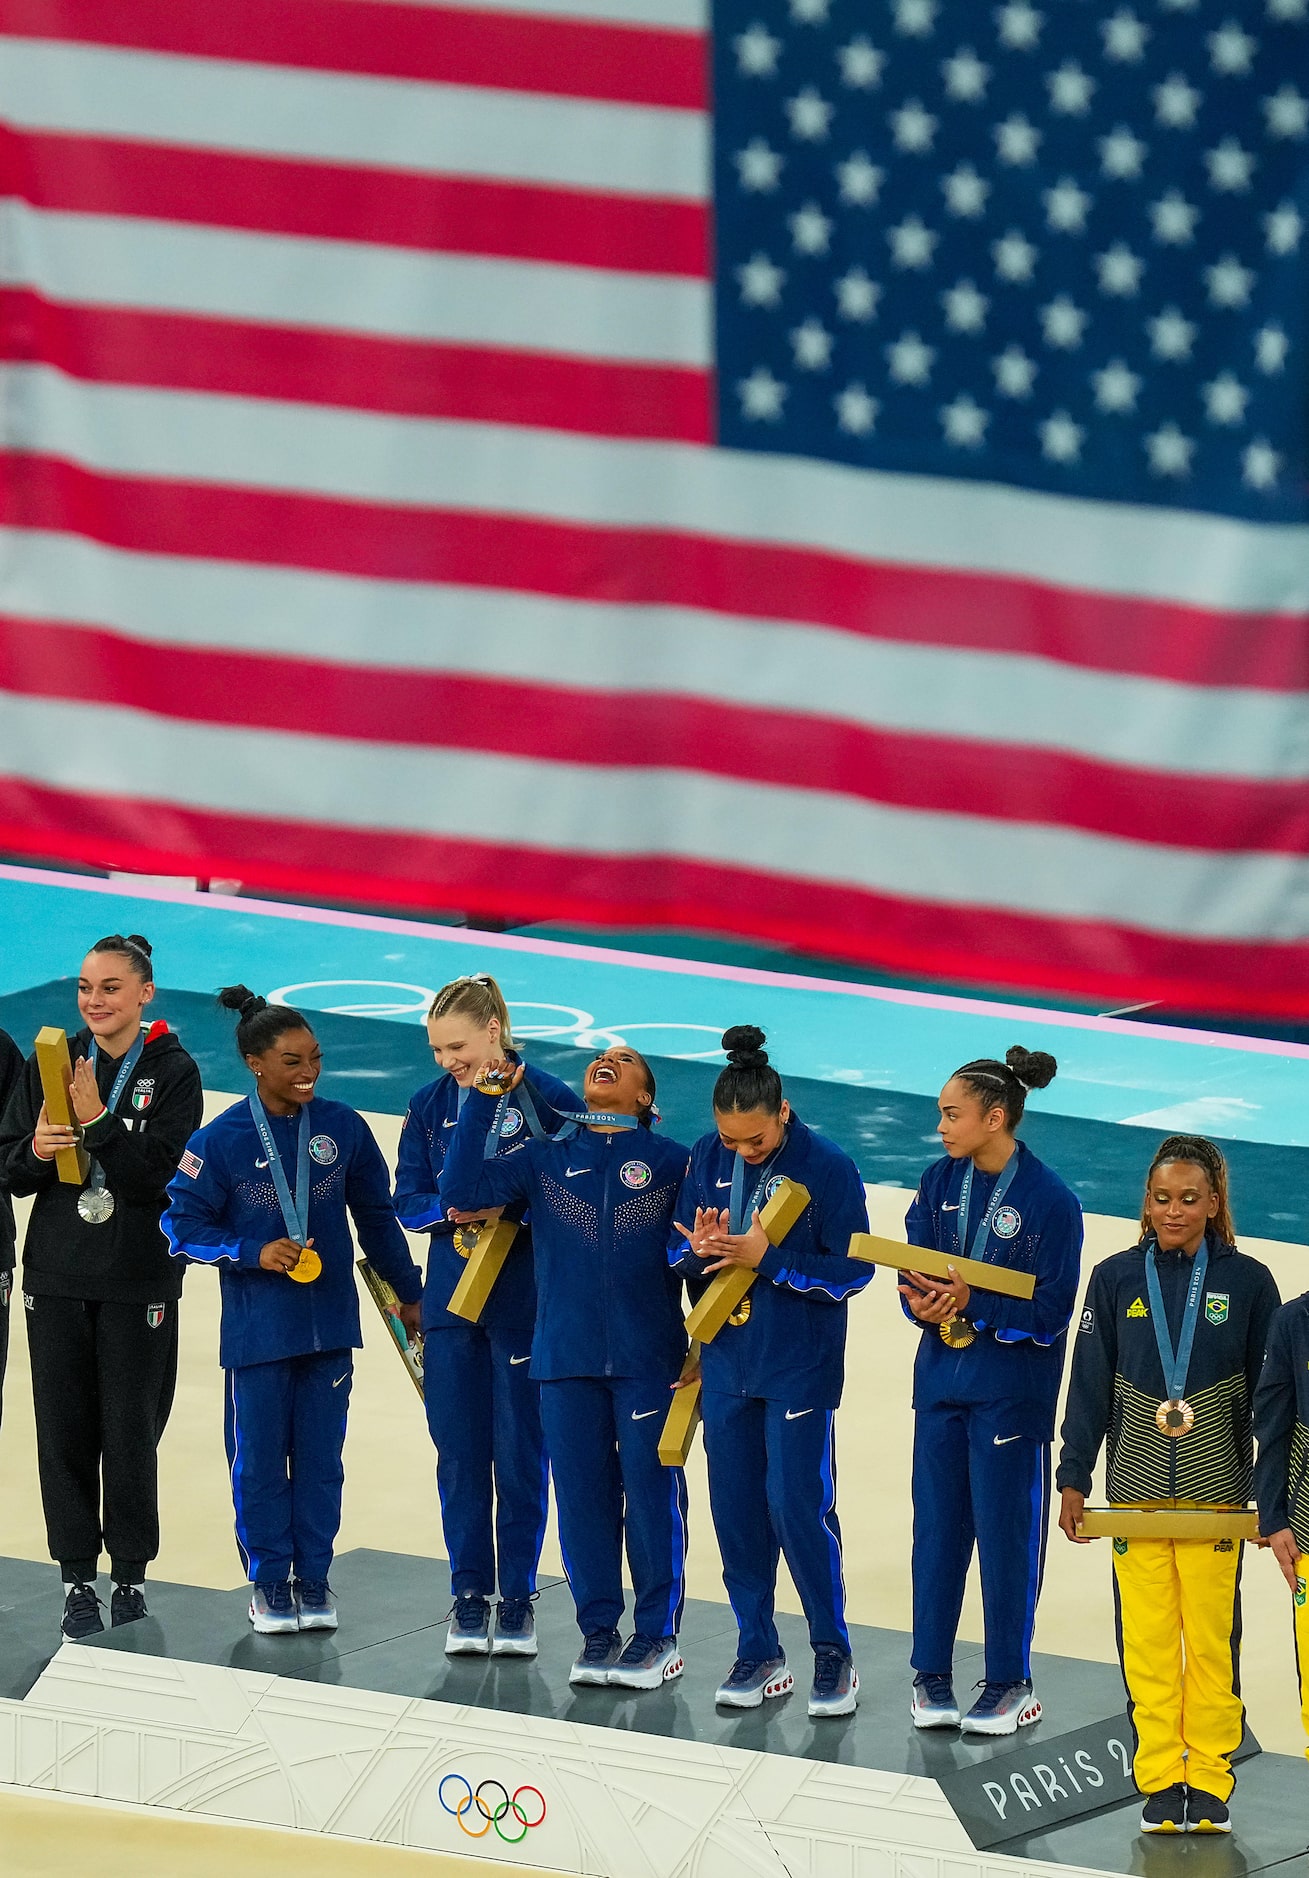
81, 1612
515, 1628
749, 1684
836, 1684
646, 1663
932, 1704
600, 1652
1002, 1709
470, 1628
315, 1603
272, 1608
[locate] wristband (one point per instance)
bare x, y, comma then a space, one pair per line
94, 1119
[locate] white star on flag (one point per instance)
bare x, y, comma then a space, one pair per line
910, 360
1017, 141
1120, 270
1230, 167
860, 180
1260, 464
1122, 154
1061, 438
1116, 387
1271, 346
915, 18
1287, 113
1071, 90
756, 51
810, 115
1225, 399
965, 76
1169, 450
812, 345
1174, 219
856, 295
965, 307
1229, 283
912, 243
1231, 50
1063, 323
964, 422
861, 64
1015, 257
1283, 228
1124, 36
1066, 206
1176, 103
1015, 373
762, 395
1019, 25
912, 127
758, 167
855, 410
965, 191
761, 281
811, 230
1171, 336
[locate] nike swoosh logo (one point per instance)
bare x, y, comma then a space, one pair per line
793, 1415
645, 1417
340, 1380
514, 1361
1002, 1441
261, 1163
949, 1206
569, 1172
722, 1183
453, 1124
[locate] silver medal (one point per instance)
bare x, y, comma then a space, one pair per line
95, 1205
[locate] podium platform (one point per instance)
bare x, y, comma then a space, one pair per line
352, 1735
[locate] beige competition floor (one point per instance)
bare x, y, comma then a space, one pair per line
390, 1497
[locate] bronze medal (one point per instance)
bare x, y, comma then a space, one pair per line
307, 1267
1175, 1418
957, 1333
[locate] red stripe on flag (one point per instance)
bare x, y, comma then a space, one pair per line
922, 939
434, 44
343, 202
653, 567
650, 730
309, 365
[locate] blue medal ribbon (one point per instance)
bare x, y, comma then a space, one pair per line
1177, 1362
574, 1122
295, 1212
1001, 1188
120, 1082
739, 1215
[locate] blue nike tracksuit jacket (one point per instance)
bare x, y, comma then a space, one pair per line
483, 1405
984, 1415
609, 1342
772, 1386
287, 1347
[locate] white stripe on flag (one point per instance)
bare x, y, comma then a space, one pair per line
1203, 560
983, 698
105, 260
389, 123
951, 860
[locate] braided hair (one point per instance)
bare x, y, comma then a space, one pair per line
1005, 1085
259, 1023
1203, 1153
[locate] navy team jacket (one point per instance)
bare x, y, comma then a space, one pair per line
223, 1210
791, 1349
1019, 1352
607, 1303
428, 1129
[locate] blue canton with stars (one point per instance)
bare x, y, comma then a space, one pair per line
1062, 246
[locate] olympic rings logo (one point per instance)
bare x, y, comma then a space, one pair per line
473, 1803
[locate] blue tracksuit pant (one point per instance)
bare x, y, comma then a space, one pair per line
484, 1414
285, 1429
977, 1481
772, 1487
602, 1435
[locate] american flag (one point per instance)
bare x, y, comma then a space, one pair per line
446, 459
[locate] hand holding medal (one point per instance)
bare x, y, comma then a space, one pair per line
499, 1076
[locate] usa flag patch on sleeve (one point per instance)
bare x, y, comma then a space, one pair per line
190, 1164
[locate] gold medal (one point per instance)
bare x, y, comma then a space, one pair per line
1175, 1418
307, 1267
495, 1082
741, 1315
957, 1333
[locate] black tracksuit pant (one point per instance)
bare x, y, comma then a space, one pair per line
102, 1381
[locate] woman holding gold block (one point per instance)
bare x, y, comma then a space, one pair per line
1166, 1361
773, 1374
986, 1383
483, 1407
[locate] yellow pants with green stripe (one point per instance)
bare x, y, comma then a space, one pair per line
1301, 1608
1179, 1631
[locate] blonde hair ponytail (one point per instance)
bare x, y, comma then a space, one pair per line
478, 997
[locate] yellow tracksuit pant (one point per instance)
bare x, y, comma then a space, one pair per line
1301, 1608
1179, 1628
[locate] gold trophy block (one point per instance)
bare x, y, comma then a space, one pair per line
1168, 1522
678, 1434
388, 1306
468, 1299
727, 1289
56, 1072
977, 1273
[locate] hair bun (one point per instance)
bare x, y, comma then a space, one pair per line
1033, 1068
242, 1000
139, 939
744, 1044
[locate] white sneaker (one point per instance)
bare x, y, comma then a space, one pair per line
1002, 1709
272, 1608
647, 1663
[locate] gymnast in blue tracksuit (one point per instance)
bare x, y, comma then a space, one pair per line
772, 1377
986, 1381
263, 1192
483, 1406
608, 1347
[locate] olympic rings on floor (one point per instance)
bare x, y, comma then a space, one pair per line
507, 1806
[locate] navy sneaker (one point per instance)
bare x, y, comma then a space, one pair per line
1165, 1811
272, 1608
81, 1612
1001, 1709
470, 1627
126, 1606
515, 1628
315, 1603
932, 1704
749, 1684
600, 1652
836, 1684
646, 1663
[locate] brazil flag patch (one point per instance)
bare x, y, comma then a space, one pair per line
1216, 1306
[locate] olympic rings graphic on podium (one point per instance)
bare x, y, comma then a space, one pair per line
508, 1804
